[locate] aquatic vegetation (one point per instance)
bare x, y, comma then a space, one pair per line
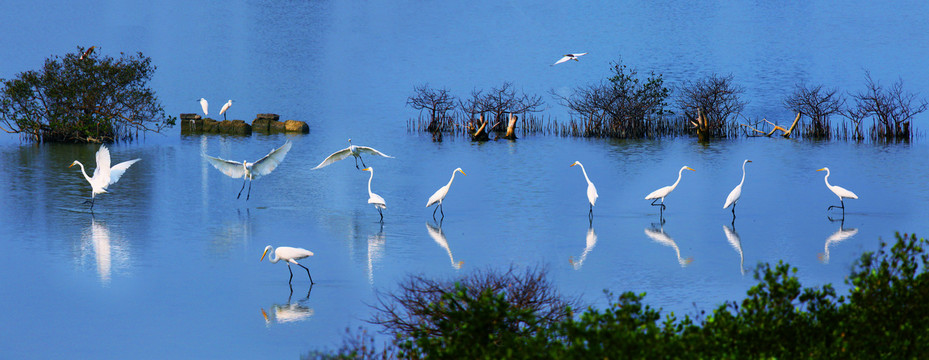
885, 314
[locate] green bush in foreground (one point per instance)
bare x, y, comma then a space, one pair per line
885, 315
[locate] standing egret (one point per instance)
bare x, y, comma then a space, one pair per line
373, 198
225, 107
353, 151
661, 193
839, 191
290, 255
104, 175
250, 171
440, 194
736, 193
591, 191
568, 57
205, 106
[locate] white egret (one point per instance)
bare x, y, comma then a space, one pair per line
352, 150
839, 191
373, 198
289, 255
591, 190
205, 106
663, 192
736, 193
569, 57
439, 195
104, 174
250, 171
225, 107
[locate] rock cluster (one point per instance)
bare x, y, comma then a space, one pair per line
264, 123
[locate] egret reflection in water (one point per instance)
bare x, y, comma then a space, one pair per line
736, 242
661, 237
290, 311
436, 234
97, 239
838, 236
591, 242
375, 252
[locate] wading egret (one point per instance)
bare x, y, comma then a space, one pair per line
205, 106
352, 150
104, 175
661, 193
736, 193
568, 57
290, 255
440, 194
225, 107
373, 198
591, 191
839, 191
250, 171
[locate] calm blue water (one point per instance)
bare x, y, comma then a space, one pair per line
168, 264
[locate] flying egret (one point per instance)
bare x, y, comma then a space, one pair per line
223, 110
439, 195
104, 174
250, 171
591, 191
569, 57
736, 193
290, 255
839, 191
205, 106
352, 150
661, 193
373, 198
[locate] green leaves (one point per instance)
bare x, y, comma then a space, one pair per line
94, 99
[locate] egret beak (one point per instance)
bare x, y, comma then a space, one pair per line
263, 255
69, 166
366, 169
572, 165
263, 313
821, 169
749, 161
462, 172
688, 168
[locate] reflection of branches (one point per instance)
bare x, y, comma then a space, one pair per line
408, 308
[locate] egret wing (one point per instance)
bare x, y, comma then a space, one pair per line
579, 54
265, 165
371, 151
336, 156
563, 59
225, 107
117, 171
232, 169
733, 196
102, 172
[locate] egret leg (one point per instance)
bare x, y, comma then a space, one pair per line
382, 215
441, 211
291, 280
243, 188
362, 162
356, 162
307, 273
662, 203
590, 214
433, 212
224, 116
249, 191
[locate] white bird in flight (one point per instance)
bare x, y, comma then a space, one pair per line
439, 195
289, 255
352, 150
591, 191
373, 198
736, 193
839, 191
223, 110
250, 171
663, 192
104, 174
205, 106
569, 57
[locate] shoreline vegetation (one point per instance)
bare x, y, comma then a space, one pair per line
517, 314
627, 105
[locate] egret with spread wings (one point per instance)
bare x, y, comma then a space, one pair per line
250, 171
569, 57
351, 150
104, 174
